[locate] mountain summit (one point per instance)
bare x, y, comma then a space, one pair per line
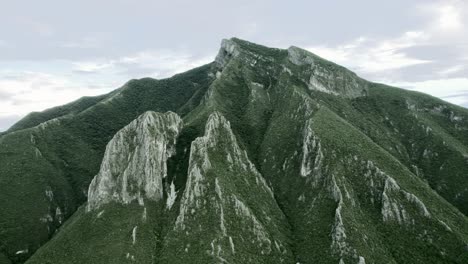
264, 155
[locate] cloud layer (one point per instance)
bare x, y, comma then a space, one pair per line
432, 58
54, 52
25, 91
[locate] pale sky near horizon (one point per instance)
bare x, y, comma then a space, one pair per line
55, 51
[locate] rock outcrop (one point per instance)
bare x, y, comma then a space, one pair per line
324, 76
283, 157
134, 163
228, 49
228, 204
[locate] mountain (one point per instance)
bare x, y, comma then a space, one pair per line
262, 156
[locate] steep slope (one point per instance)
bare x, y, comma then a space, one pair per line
426, 134
36, 118
284, 157
125, 198
282, 105
134, 165
227, 213
224, 215
45, 170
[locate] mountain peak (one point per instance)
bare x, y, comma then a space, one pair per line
325, 76
300, 56
229, 48
277, 162
316, 73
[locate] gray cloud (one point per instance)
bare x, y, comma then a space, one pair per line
78, 48
5, 95
84, 29
457, 95
7, 121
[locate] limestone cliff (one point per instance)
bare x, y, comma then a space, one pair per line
284, 157
227, 203
134, 163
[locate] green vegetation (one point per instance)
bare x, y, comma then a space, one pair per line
63, 156
35, 118
357, 171
110, 235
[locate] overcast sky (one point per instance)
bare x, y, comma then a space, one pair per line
55, 51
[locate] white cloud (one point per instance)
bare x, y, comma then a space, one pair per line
452, 70
157, 64
368, 55
85, 43
164, 63
454, 90
446, 21
446, 16
449, 18
91, 67
24, 92
39, 27
384, 60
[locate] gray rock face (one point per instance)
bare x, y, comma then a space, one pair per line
317, 73
227, 203
299, 56
228, 49
286, 170
134, 163
325, 76
217, 133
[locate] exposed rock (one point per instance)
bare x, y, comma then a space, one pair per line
339, 244
320, 77
220, 180
415, 200
312, 155
217, 129
393, 208
134, 163
171, 196
299, 56
229, 49
46, 124
362, 260
134, 235
343, 188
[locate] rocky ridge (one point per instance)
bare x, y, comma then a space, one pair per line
281, 157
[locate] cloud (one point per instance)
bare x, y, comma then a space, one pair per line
452, 70
453, 90
53, 52
157, 64
449, 18
446, 17
84, 43
7, 121
38, 27
24, 92
431, 58
91, 66
444, 27
367, 55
